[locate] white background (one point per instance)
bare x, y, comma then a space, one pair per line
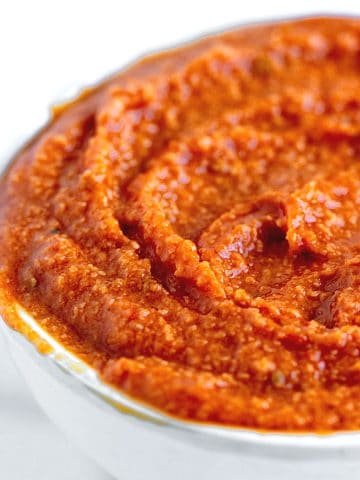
48, 51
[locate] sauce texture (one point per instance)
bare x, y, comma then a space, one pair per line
191, 228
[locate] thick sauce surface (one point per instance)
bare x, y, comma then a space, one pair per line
192, 228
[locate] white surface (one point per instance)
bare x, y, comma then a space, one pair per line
30, 446
47, 48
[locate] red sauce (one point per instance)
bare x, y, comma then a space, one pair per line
191, 228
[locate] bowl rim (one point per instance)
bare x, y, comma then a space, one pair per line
88, 377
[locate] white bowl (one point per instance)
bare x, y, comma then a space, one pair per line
133, 441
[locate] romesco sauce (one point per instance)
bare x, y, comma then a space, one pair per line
191, 228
